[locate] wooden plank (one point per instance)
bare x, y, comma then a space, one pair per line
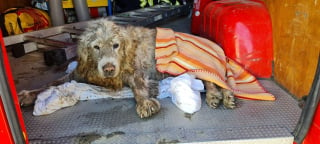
73, 31
48, 42
296, 36
9, 40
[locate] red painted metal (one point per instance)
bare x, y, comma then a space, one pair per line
313, 136
197, 12
94, 13
3, 119
5, 133
244, 30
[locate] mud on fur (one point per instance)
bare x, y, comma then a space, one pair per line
114, 56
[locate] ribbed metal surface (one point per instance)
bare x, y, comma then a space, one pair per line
115, 121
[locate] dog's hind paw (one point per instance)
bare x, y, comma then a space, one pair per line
213, 99
228, 99
148, 107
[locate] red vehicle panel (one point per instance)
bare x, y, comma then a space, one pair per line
243, 29
313, 136
5, 133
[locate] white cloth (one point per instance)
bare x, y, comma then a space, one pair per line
184, 91
71, 67
68, 94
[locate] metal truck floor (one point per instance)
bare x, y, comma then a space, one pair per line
115, 121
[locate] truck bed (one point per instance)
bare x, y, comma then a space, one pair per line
116, 121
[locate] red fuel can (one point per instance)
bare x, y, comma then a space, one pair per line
198, 7
243, 29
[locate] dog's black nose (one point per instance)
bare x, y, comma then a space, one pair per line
109, 68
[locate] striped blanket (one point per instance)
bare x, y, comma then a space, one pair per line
178, 53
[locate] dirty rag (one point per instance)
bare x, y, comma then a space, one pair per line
69, 93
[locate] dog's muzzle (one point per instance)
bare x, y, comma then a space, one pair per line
109, 70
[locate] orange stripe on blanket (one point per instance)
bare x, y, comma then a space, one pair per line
261, 96
167, 46
165, 42
178, 53
166, 56
162, 53
175, 69
202, 43
208, 76
200, 50
198, 65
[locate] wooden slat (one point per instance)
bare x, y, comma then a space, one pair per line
296, 36
9, 40
48, 42
73, 31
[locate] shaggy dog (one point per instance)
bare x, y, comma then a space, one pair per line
115, 56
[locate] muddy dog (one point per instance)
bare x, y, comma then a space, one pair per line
115, 56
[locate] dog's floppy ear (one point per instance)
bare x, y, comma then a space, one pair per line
128, 40
88, 36
83, 45
82, 59
83, 50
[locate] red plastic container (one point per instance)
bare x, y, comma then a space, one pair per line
198, 7
244, 30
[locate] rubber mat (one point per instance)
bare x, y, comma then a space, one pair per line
116, 121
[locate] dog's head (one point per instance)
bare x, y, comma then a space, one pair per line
102, 47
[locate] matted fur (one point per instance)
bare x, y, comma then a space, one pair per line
130, 52
115, 56
134, 63
134, 55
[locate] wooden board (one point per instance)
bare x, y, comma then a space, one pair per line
296, 36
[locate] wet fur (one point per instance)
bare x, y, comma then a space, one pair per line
134, 60
136, 52
134, 64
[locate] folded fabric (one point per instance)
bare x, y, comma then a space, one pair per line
69, 93
184, 91
178, 53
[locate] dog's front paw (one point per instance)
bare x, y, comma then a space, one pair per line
27, 98
148, 107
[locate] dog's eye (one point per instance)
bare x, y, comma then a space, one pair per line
115, 46
96, 47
